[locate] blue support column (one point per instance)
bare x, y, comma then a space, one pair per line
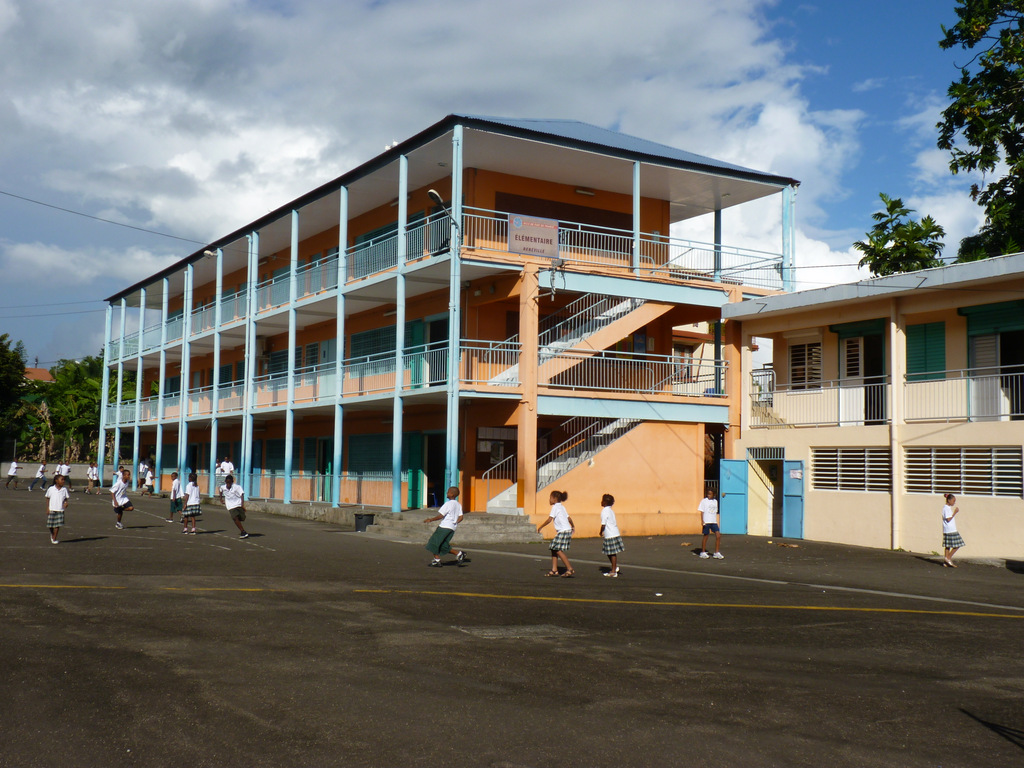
396, 406
788, 237
218, 318
120, 387
251, 358
636, 217
718, 246
452, 439
162, 377
138, 383
104, 394
339, 346
289, 414
186, 374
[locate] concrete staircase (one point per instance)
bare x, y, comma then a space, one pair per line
475, 528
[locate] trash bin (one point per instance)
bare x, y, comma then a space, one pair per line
363, 520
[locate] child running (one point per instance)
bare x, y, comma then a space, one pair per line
176, 503
450, 515
40, 475
149, 483
12, 474
119, 496
192, 508
951, 538
234, 503
611, 539
56, 503
564, 529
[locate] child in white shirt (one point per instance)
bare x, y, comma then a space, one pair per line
192, 508
176, 501
450, 515
119, 497
234, 502
564, 529
611, 539
56, 503
708, 509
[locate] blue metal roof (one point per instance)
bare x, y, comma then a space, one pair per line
579, 133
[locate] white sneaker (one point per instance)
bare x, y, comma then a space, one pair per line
704, 555
118, 525
718, 556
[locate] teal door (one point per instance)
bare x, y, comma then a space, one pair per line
732, 484
412, 460
793, 499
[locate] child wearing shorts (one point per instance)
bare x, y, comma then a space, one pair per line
234, 503
450, 515
56, 503
177, 505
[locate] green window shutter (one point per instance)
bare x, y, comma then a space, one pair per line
994, 318
309, 455
874, 327
926, 351
369, 453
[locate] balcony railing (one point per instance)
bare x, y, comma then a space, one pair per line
828, 403
659, 254
633, 373
978, 394
481, 364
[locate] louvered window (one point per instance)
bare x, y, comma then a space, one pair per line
975, 471
851, 469
805, 365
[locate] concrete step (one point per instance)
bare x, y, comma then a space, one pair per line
475, 528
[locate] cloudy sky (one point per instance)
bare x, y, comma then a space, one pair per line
192, 117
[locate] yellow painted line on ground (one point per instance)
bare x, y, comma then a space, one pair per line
669, 603
220, 589
54, 586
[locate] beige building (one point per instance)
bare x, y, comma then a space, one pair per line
883, 395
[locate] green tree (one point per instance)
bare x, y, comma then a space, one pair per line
897, 243
12, 381
983, 126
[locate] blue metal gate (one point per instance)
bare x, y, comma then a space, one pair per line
793, 499
733, 500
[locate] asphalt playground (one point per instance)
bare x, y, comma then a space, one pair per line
311, 645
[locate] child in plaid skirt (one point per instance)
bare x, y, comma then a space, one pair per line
611, 539
564, 529
192, 508
951, 538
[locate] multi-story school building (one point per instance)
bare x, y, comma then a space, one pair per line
504, 305
882, 396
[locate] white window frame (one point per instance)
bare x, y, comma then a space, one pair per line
846, 468
965, 470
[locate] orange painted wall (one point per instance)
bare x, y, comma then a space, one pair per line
655, 473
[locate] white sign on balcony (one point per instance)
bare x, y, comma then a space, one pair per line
532, 236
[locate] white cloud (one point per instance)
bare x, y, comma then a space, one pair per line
196, 116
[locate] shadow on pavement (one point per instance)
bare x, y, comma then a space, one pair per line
1017, 566
83, 538
1013, 735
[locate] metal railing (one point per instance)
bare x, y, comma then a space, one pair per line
587, 437
500, 477
975, 394
832, 403
633, 373
317, 276
659, 254
494, 363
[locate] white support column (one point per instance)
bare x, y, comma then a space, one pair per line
218, 319
339, 346
186, 369
788, 237
104, 394
636, 217
452, 437
289, 414
895, 404
138, 386
162, 377
120, 387
251, 360
396, 405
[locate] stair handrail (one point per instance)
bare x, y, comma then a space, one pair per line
580, 446
506, 469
